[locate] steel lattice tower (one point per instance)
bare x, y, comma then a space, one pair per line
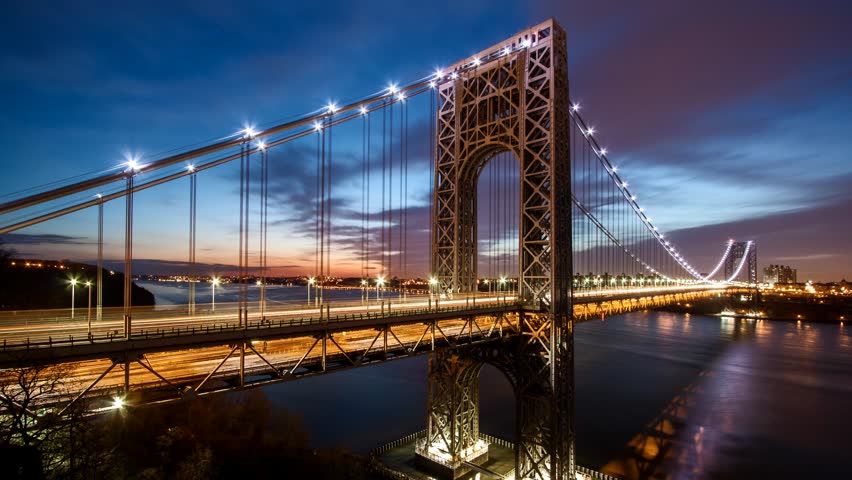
517, 104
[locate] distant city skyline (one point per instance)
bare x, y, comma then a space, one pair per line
730, 119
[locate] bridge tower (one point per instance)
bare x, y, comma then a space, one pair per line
517, 103
742, 252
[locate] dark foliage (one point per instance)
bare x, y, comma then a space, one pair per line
23, 287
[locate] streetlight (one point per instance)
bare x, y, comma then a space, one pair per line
364, 293
261, 301
502, 282
380, 281
89, 312
213, 284
73, 284
433, 282
310, 282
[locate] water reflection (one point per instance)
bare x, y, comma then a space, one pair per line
772, 402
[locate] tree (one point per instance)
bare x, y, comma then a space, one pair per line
33, 438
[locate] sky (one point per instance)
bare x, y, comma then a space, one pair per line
730, 119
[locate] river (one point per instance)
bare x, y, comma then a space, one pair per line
683, 396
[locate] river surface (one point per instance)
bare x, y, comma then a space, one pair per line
658, 394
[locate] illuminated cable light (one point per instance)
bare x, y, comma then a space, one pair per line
633, 197
392, 89
526, 43
507, 50
603, 152
624, 184
454, 75
261, 145
249, 132
439, 73
432, 84
318, 126
190, 168
575, 107
132, 164
477, 62
401, 96
364, 110
332, 108
614, 169
590, 131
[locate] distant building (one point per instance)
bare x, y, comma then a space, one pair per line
779, 274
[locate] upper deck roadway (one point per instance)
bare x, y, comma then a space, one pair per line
170, 354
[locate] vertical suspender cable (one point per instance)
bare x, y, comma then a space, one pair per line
434, 178
384, 187
405, 205
241, 271
328, 230
390, 195
317, 209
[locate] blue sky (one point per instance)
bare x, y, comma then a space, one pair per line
729, 118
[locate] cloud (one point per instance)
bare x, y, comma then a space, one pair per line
43, 239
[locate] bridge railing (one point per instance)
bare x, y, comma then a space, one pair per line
270, 322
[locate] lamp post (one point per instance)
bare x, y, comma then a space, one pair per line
261, 301
433, 282
73, 284
213, 284
89, 311
380, 281
310, 282
364, 290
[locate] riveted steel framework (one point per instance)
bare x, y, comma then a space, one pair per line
518, 104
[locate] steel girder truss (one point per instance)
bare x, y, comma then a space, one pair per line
518, 104
605, 308
142, 378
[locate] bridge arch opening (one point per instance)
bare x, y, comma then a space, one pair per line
496, 197
497, 406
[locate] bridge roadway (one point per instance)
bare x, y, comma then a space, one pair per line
171, 355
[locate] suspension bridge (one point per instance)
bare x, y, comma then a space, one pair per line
531, 229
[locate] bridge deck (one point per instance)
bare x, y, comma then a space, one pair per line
209, 353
